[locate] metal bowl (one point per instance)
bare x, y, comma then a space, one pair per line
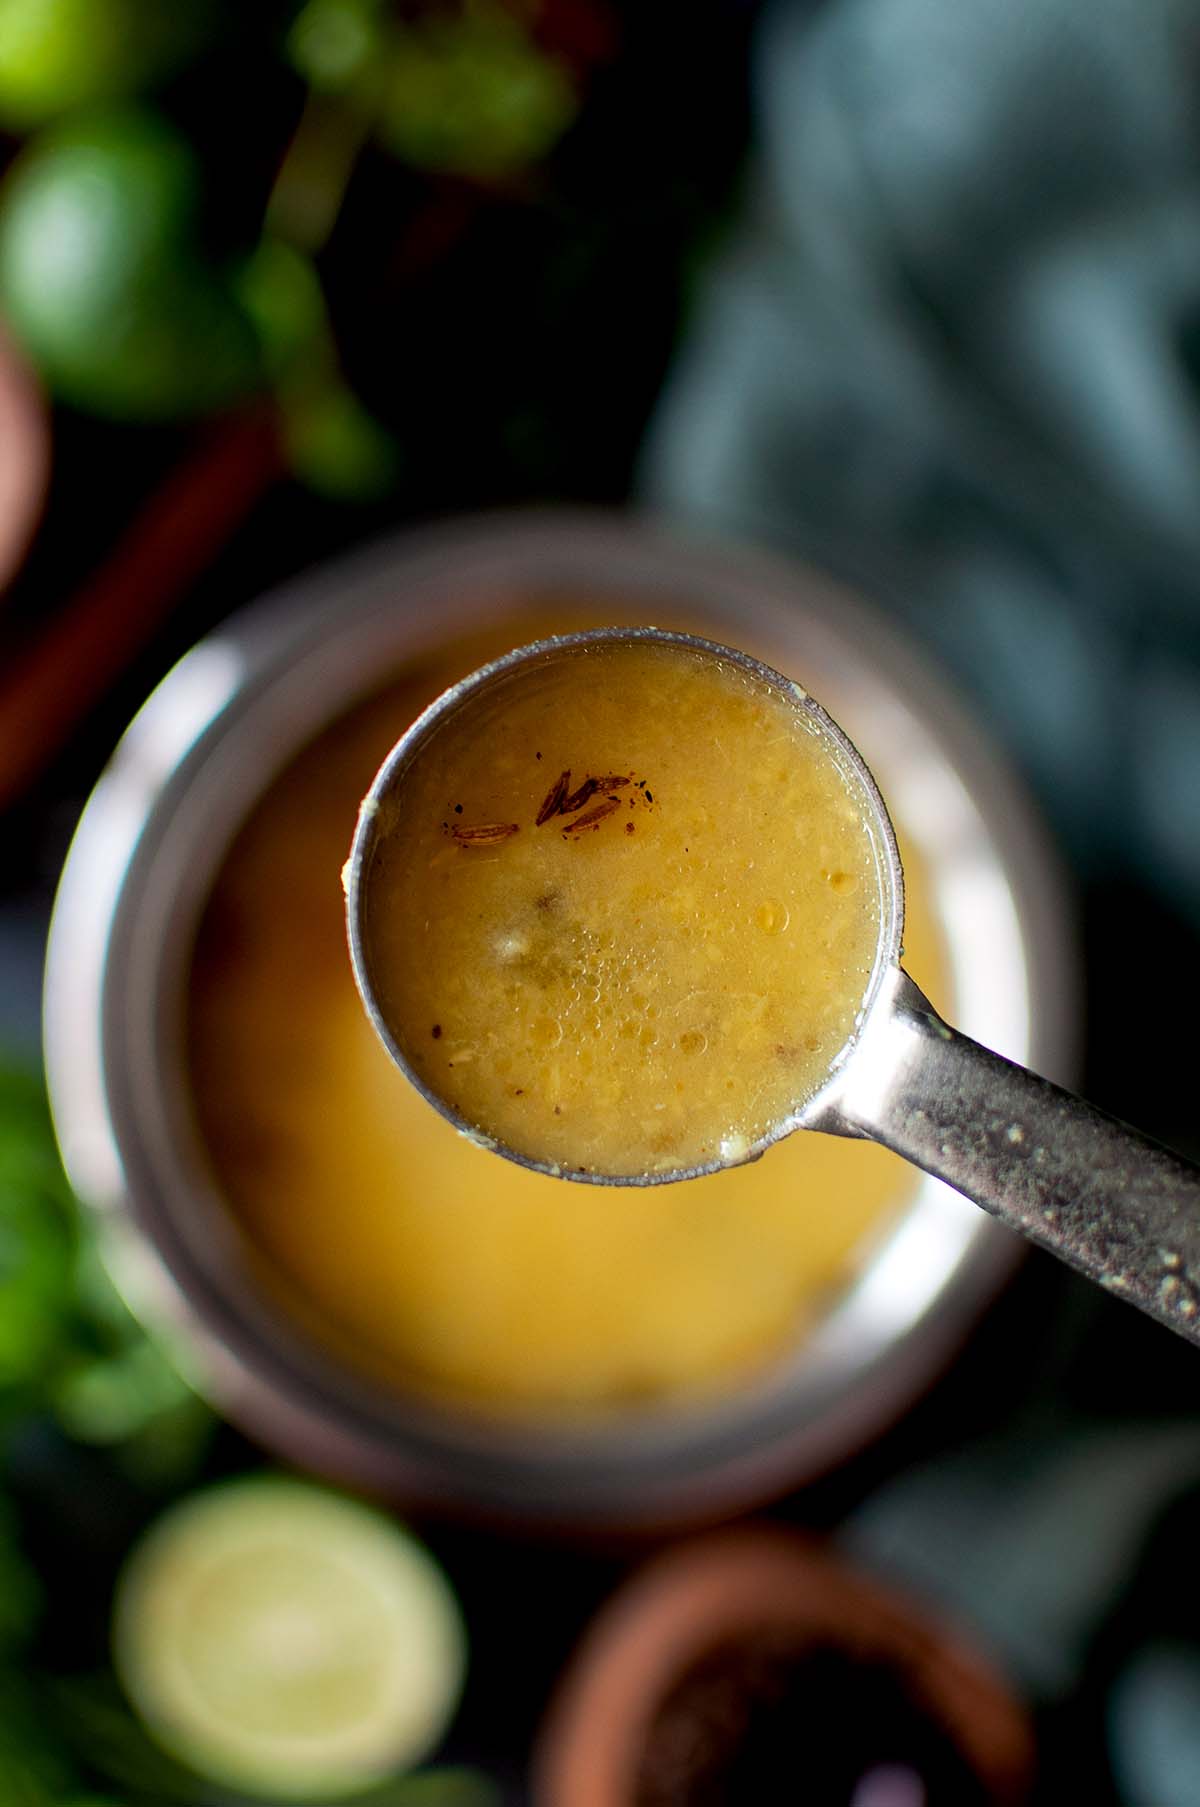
196, 760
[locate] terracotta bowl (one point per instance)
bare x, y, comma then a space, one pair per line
734, 1589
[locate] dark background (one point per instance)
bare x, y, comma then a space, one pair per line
512, 335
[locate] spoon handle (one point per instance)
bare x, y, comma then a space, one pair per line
1105, 1199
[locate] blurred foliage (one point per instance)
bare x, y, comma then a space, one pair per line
56, 55
495, 199
451, 238
473, 95
335, 446
103, 277
104, 274
36, 1240
334, 44
106, 1735
69, 1345
20, 1590
71, 1352
34, 1769
465, 91
332, 443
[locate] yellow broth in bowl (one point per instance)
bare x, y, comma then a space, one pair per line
422, 1259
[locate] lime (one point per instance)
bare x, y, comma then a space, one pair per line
101, 276
287, 1641
59, 54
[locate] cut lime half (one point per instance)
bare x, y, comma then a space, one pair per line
288, 1641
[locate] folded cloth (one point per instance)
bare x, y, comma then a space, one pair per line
1067, 1553
954, 354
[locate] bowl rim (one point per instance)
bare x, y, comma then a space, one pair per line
134, 872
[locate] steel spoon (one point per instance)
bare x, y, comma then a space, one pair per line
1104, 1198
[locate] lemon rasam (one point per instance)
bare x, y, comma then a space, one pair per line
623, 910
423, 1263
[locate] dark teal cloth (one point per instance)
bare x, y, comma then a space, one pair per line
954, 353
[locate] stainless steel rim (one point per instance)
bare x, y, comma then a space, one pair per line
117, 948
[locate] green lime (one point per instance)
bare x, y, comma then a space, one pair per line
60, 54
287, 1641
101, 277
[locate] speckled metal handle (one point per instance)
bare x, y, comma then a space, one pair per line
1122, 1209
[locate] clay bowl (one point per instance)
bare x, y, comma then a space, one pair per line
623, 1729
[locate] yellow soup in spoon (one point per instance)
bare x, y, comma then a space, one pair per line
623, 908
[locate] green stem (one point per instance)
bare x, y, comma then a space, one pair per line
311, 185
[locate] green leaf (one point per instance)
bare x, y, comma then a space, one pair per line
432, 1788
34, 1772
96, 1724
20, 1589
334, 43
37, 1242
119, 1386
473, 94
57, 55
334, 446
282, 294
68, 1341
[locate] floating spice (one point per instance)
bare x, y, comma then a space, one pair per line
590, 788
591, 818
553, 800
561, 800
486, 834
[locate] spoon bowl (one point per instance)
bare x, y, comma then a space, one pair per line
471, 708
